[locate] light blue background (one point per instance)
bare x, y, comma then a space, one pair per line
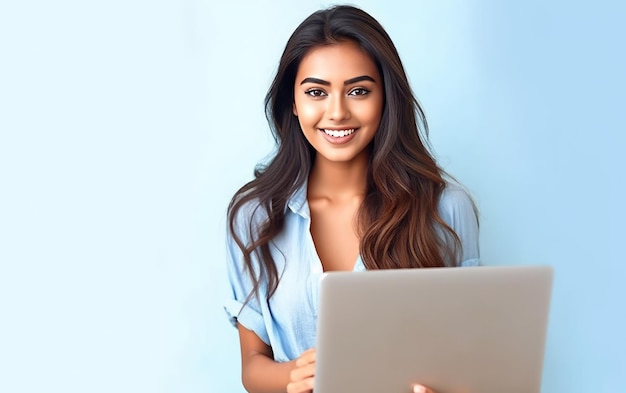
125, 127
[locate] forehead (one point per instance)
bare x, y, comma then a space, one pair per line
337, 62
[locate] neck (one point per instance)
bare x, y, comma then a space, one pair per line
338, 180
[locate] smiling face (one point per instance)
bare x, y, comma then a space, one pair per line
338, 98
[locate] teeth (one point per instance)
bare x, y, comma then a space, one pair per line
339, 133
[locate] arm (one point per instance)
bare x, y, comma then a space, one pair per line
259, 372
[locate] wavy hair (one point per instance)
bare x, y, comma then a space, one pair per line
398, 221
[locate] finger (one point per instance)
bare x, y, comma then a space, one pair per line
306, 357
417, 388
303, 386
302, 373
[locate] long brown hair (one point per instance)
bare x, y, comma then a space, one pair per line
398, 220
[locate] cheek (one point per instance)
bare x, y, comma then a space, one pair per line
371, 113
305, 120
308, 114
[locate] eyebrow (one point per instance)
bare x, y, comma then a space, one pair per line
347, 82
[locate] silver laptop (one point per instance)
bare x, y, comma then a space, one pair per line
455, 330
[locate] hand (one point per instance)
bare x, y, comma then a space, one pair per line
302, 376
417, 388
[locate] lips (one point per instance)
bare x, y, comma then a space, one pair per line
338, 136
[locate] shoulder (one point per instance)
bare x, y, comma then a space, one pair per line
458, 210
245, 216
455, 200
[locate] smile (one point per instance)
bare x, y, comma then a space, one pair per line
339, 133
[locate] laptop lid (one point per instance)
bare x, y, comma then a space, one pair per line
455, 330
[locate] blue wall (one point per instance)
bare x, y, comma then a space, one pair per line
125, 127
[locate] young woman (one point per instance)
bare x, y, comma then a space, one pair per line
352, 186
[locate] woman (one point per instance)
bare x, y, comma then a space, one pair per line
352, 186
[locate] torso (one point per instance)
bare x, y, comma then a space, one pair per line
289, 319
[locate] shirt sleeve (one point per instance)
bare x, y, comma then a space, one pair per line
457, 210
249, 314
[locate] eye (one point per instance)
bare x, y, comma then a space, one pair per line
359, 91
315, 93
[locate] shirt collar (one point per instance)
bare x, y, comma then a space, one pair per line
298, 203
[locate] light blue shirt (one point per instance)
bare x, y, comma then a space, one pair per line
287, 322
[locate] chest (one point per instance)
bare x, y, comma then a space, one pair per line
334, 233
294, 305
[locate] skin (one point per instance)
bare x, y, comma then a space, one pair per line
421, 389
338, 88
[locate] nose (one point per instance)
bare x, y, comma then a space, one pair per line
338, 108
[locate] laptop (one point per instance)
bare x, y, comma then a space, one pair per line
455, 330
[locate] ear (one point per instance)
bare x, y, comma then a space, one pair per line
294, 110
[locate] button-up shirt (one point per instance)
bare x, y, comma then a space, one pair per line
287, 322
